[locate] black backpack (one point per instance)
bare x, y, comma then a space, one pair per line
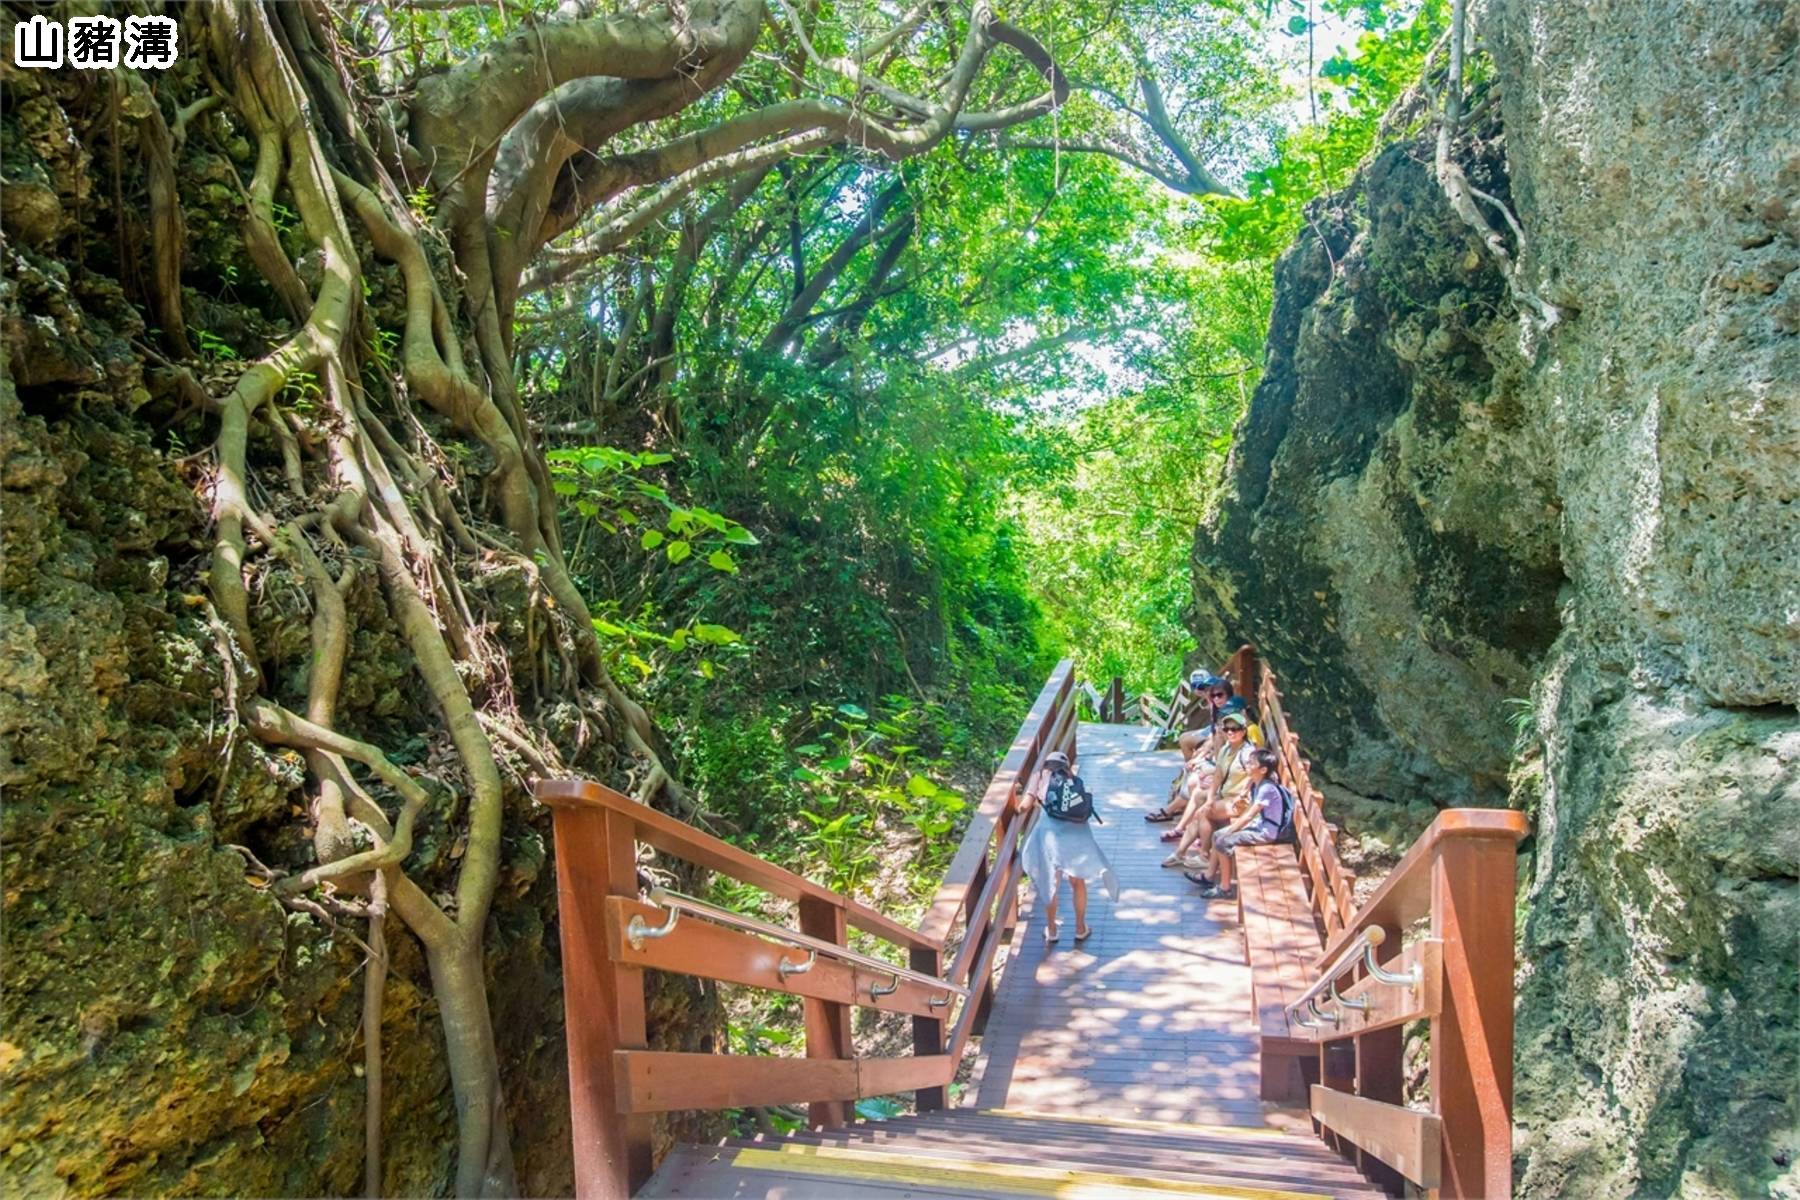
1066, 798
1284, 833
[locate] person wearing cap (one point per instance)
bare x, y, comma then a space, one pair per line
1209, 693
1258, 825
1201, 763
1057, 850
1226, 791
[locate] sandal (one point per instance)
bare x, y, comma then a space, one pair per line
1159, 816
1218, 893
1171, 835
1175, 860
1051, 933
1200, 878
1081, 935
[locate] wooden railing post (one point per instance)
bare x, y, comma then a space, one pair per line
827, 1021
928, 1032
1116, 701
1472, 885
603, 1002
1381, 1069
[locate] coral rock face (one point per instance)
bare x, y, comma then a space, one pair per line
1654, 160
1437, 506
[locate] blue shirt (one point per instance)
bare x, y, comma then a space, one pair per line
1267, 796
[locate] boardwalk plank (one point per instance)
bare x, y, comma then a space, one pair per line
1151, 1016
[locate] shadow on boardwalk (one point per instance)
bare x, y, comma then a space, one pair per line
1150, 1017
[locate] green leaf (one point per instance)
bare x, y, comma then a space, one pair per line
809, 748
808, 775
721, 561
854, 711
608, 629
918, 785
840, 763
678, 550
706, 668
652, 539
739, 536
716, 635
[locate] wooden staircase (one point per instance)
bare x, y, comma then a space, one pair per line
971, 1153
1172, 1022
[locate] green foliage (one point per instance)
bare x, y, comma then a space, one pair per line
1112, 520
1355, 92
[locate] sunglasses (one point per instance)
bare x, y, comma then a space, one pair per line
1235, 729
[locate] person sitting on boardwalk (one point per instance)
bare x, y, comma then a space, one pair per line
1199, 745
1226, 794
1196, 780
1259, 825
1060, 845
1210, 695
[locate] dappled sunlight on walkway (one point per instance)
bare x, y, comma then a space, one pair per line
1148, 1018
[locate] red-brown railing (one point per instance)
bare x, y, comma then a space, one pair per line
1457, 974
1331, 886
616, 1082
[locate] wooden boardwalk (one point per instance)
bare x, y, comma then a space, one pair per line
1148, 1019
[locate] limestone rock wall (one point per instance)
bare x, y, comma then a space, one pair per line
1560, 568
1388, 536
1655, 152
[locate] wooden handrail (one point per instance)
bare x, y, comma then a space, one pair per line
1460, 875
615, 1080
683, 841
1014, 770
1405, 895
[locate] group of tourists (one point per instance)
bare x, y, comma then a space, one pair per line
1229, 791
1227, 795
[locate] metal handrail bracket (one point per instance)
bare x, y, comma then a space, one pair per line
638, 931
677, 902
1360, 951
1410, 978
784, 968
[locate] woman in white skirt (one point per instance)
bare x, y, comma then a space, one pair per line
1059, 847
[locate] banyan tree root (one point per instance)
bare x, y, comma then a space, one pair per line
368, 497
360, 492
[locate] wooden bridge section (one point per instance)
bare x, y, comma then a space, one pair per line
1249, 1049
1150, 1017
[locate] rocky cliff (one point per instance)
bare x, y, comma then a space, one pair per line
1436, 508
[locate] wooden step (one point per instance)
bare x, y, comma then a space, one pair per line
794, 1170
1146, 1164
1278, 1149
1246, 1142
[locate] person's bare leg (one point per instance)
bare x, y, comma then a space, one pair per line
1050, 928
1217, 816
1199, 830
1079, 887
1222, 869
